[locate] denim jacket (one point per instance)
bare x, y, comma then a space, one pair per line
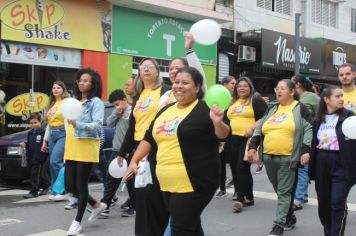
90, 123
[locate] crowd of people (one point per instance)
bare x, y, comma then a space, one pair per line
171, 133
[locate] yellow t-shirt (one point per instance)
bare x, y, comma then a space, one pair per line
350, 101
278, 131
81, 149
54, 115
171, 171
145, 111
241, 116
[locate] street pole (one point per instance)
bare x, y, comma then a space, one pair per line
297, 43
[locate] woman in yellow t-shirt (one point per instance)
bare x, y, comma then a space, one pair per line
284, 134
55, 136
184, 140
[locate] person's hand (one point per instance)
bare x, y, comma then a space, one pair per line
131, 170
119, 110
251, 154
304, 159
248, 132
189, 40
72, 122
44, 147
120, 160
266, 99
216, 114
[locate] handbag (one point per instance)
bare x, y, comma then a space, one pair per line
58, 185
255, 158
143, 176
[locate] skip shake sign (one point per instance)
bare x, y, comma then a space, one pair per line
278, 51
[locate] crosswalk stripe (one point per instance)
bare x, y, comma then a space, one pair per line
9, 222
56, 232
13, 192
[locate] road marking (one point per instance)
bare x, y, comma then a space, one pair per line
43, 198
9, 222
13, 192
273, 196
56, 232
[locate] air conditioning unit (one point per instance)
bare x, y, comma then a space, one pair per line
246, 53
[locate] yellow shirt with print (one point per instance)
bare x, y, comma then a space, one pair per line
171, 171
145, 111
54, 114
278, 131
350, 101
241, 116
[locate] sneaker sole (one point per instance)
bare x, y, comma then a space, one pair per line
289, 228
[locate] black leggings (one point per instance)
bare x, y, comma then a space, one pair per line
76, 181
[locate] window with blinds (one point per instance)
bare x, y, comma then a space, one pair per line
353, 20
280, 6
324, 12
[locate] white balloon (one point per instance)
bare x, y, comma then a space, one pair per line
115, 170
349, 127
71, 108
206, 32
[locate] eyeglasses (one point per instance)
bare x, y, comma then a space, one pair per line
82, 81
276, 90
147, 67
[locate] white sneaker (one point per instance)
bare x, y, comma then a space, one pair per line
59, 197
51, 197
96, 211
75, 228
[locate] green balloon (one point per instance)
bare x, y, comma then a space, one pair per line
218, 95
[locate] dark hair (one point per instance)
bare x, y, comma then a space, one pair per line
96, 90
305, 82
227, 79
326, 93
138, 81
235, 96
348, 65
196, 77
291, 86
117, 94
65, 93
182, 59
35, 115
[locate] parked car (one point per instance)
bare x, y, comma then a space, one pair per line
12, 155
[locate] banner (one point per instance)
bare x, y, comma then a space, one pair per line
21, 104
150, 35
82, 24
40, 55
278, 51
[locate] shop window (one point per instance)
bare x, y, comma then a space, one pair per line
353, 20
324, 13
223, 65
280, 6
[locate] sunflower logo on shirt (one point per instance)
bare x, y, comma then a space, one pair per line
144, 104
278, 119
237, 110
169, 126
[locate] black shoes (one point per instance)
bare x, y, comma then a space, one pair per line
30, 195
276, 231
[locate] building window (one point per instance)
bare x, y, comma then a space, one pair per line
353, 20
324, 12
280, 6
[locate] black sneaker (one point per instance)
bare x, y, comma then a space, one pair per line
220, 194
43, 191
126, 205
276, 231
290, 223
30, 195
105, 213
128, 212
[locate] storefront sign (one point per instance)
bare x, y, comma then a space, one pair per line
278, 51
21, 104
150, 35
336, 54
83, 24
40, 55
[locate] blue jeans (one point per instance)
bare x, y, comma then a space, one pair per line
56, 142
302, 185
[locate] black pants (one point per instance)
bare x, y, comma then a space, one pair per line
332, 188
185, 210
243, 181
38, 175
111, 185
76, 181
225, 157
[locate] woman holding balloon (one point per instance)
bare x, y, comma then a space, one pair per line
83, 143
246, 109
187, 162
55, 136
332, 164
